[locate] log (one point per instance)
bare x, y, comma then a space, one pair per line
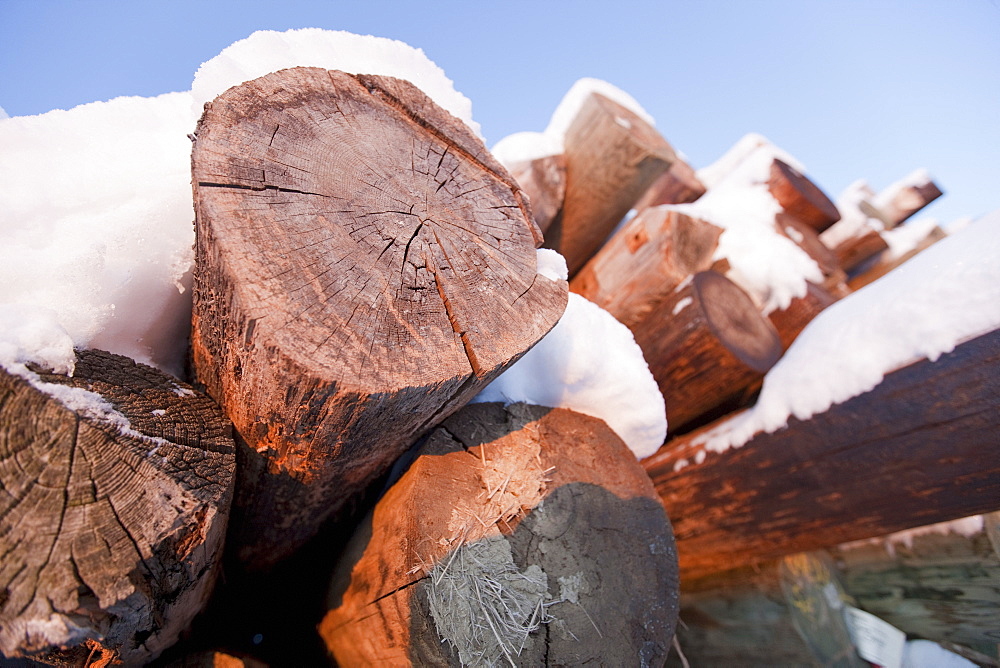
934, 583
903, 199
645, 261
884, 265
834, 277
544, 511
113, 512
856, 250
544, 182
364, 267
790, 322
708, 347
917, 449
677, 185
612, 157
800, 197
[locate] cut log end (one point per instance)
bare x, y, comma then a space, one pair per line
800, 197
736, 321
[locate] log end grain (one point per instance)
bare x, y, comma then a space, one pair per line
800, 197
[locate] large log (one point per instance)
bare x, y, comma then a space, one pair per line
113, 512
708, 347
544, 181
521, 535
612, 157
645, 261
364, 267
917, 449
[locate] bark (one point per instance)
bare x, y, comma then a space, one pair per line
917, 449
708, 348
112, 519
551, 495
364, 267
790, 322
834, 277
883, 266
644, 262
612, 157
898, 205
544, 181
856, 250
677, 185
800, 197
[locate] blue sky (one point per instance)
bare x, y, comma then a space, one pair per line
863, 89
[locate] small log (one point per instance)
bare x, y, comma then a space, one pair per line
884, 266
113, 513
612, 157
790, 322
364, 268
677, 185
521, 535
856, 250
900, 201
800, 197
544, 181
917, 449
708, 347
643, 263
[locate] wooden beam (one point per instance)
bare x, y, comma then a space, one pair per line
920, 448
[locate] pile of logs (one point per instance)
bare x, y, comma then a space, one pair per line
364, 267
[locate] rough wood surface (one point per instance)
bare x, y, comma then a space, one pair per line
938, 585
898, 205
612, 157
790, 322
677, 185
800, 197
919, 448
642, 264
544, 181
111, 523
708, 347
854, 251
554, 496
364, 267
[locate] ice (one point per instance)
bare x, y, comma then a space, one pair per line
591, 364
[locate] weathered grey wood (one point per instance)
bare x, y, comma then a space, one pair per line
364, 267
612, 157
111, 528
917, 449
499, 496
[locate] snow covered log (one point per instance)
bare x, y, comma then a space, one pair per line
806, 238
856, 250
889, 259
789, 322
677, 185
612, 157
800, 197
645, 261
364, 268
519, 535
708, 347
117, 483
904, 198
918, 448
544, 181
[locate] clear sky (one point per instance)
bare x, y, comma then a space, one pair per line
854, 89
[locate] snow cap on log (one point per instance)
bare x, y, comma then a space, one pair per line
365, 266
117, 487
519, 534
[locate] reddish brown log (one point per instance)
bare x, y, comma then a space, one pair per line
800, 197
364, 267
517, 509
111, 519
708, 348
834, 277
898, 204
884, 266
855, 251
920, 448
643, 263
790, 322
677, 185
612, 157
544, 181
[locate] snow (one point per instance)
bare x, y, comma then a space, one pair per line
3, 114
947, 294
268, 51
731, 159
589, 363
96, 212
772, 268
551, 264
905, 238
914, 179
525, 147
852, 219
